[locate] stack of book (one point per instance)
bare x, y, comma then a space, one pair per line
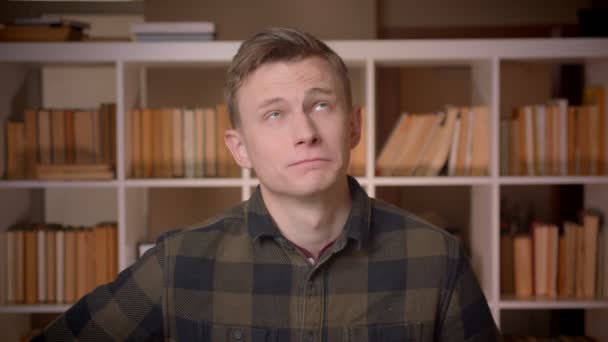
547, 263
43, 29
62, 144
557, 139
173, 31
183, 143
562, 338
51, 263
455, 141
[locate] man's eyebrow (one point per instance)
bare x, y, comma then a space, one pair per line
317, 90
270, 101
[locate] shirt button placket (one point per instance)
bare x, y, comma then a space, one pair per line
237, 334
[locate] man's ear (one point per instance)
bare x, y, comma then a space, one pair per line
355, 126
236, 145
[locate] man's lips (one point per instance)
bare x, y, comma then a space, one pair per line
309, 161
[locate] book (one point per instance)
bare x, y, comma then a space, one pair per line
60, 257
11, 264
453, 157
189, 132
437, 154
394, 143
591, 228
31, 142
480, 147
178, 143
210, 137
69, 269
136, 144
31, 264
147, 141
199, 142
84, 137
524, 276
41, 254
15, 148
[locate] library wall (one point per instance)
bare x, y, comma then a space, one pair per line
234, 19
438, 13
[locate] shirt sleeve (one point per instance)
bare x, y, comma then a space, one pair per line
467, 316
127, 309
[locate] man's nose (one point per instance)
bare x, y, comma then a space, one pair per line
304, 130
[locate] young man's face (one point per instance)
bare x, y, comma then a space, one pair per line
296, 129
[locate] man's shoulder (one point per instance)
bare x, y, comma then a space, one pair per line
229, 222
419, 236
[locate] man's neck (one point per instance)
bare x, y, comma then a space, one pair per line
311, 222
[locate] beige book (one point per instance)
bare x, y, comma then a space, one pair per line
178, 146
189, 142
84, 137
463, 143
580, 263
136, 144
210, 154
199, 142
540, 235
15, 148
437, 154
569, 256
45, 148
90, 259
552, 260
524, 277
20, 265
58, 136
455, 143
147, 138
81, 262
60, 264
31, 262
31, 142
424, 143
167, 143
157, 143
11, 264
101, 254
480, 149
51, 265
411, 144
69, 268
591, 228
393, 145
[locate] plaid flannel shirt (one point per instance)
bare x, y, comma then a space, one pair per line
388, 277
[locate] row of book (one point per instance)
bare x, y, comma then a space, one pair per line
454, 143
51, 263
181, 142
545, 263
557, 139
548, 339
62, 144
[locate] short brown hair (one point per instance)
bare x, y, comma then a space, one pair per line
277, 45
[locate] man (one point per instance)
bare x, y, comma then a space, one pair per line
309, 257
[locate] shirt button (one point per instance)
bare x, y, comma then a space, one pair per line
237, 334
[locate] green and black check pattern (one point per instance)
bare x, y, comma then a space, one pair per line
388, 277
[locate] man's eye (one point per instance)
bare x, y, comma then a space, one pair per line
321, 106
273, 115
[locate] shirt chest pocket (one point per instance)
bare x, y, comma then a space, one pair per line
393, 332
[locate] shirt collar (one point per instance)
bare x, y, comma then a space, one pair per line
260, 223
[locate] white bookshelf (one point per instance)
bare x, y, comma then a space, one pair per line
129, 63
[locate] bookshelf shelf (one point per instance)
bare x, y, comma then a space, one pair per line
538, 304
34, 184
136, 75
555, 180
407, 181
34, 308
